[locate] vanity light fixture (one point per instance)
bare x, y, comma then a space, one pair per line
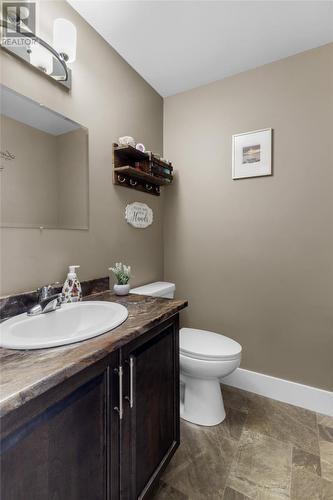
51, 60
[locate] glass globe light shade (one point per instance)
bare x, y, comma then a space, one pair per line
64, 39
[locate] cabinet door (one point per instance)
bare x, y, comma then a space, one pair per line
64, 451
150, 428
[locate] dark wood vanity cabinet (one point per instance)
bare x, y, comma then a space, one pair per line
64, 444
104, 434
150, 425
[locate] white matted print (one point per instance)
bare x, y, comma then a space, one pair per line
252, 154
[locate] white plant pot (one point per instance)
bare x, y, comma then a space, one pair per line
121, 289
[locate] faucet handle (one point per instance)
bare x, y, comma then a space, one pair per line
45, 291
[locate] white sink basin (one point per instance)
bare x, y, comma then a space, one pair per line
71, 323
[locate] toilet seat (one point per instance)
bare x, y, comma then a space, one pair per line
209, 346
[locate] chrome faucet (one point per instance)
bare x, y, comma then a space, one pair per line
47, 301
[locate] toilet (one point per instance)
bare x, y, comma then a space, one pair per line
205, 357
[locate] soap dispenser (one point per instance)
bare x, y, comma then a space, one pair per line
71, 291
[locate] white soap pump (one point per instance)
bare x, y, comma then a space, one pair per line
71, 291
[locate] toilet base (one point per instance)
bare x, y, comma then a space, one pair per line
201, 401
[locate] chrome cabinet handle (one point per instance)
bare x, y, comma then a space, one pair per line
130, 399
119, 408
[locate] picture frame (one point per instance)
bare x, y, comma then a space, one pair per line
252, 154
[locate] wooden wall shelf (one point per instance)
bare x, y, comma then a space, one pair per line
130, 152
141, 171
142, 175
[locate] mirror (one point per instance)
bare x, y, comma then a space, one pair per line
43, 166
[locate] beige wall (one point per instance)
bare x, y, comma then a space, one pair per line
255, 256
73, 181
29, 193
110, 99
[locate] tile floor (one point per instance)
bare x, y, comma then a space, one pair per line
264, 450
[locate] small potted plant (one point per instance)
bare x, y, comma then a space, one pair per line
123, 274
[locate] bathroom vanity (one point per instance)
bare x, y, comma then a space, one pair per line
95, 420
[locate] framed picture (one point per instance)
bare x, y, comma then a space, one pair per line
252, 154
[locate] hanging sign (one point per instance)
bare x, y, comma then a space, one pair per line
139, 215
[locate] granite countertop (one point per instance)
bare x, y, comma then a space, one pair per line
25, 375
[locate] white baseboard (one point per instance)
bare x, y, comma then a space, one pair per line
305, 396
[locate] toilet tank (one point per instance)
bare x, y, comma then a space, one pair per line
157, 289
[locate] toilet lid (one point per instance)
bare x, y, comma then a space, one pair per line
201, 344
